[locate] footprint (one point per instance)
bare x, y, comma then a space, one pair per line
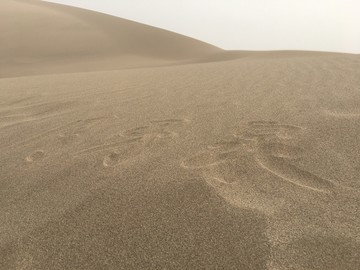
130, 143
230, 171
267, 130
275, 157
283, 169
280, 150
157, 129
122, 154
35, 156
136, 132
265, 143
167, 128
228, 144
166, 135
149, 134
112, 154
237, 180
111, 159
201, 160
74, 132
68, 138
109, 145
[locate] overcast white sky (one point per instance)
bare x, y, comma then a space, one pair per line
322, 25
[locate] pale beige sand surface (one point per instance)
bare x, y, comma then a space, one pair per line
250, 163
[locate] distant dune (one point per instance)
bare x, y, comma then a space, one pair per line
124, 146
41, 37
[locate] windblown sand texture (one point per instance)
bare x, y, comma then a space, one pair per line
124, 146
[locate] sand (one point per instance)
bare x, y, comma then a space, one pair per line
124, 146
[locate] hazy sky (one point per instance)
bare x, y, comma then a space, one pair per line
325, 25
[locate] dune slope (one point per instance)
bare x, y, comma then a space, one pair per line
249, 163
39, 37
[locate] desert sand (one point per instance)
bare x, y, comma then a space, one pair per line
125, 146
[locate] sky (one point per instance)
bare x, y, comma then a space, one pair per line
318, 25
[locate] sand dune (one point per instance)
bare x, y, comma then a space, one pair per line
39, 37
200, 159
